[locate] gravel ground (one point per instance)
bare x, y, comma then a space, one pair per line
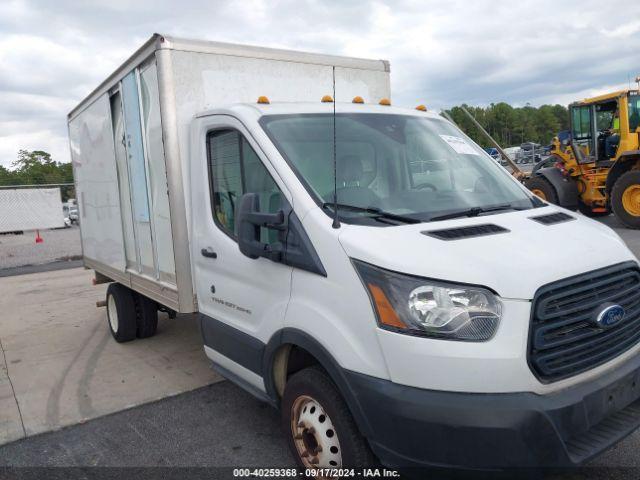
21, 250
203, 434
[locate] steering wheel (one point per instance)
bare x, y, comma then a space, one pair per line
426, 185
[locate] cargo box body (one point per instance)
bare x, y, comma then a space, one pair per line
130, 146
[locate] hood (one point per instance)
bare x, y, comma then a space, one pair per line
514, 264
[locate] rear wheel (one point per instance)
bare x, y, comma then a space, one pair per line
541, 187
625, 198
121, 312
319, 427
147, 318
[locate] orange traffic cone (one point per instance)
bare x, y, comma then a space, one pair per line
39, 239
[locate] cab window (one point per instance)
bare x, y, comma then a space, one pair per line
236, 169
581, 122
634, 112
607, 117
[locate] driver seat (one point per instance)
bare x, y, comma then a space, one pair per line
352, 187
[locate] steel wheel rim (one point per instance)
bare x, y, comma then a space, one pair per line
631, 200
314, 435
539, 193
112, 313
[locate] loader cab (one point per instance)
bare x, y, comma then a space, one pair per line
596, 129
600, 126
607, 117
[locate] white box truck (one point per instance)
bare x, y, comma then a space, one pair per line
367, 269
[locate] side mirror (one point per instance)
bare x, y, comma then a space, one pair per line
250, 220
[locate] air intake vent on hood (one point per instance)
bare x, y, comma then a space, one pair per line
552, 218
466, 232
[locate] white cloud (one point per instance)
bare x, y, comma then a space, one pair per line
52, 54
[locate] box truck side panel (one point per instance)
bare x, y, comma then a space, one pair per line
152, 135
117, 124
93, 157
371, 85
138, 174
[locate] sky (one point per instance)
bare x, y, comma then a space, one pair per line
442, 53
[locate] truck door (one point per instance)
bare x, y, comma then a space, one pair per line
582, 130
241, 301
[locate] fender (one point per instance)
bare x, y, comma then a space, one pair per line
566, 187
295, 337
626, 161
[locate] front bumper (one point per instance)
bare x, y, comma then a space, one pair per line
412, 427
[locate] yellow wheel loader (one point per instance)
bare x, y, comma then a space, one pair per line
596, 166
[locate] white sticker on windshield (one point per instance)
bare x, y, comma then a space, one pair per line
459, 145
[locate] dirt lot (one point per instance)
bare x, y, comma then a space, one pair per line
59, 365
58, 245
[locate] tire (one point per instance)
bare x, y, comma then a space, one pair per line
541, 187
121, 313
625, 198
586, 210
315, 414
147, 316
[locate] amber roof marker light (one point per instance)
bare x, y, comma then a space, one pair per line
357, 99
385, 102
263, 100
327, 99
421, 108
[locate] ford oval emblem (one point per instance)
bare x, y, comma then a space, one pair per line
609, 315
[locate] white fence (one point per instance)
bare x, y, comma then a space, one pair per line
30, 209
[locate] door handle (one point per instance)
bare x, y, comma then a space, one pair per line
208, 252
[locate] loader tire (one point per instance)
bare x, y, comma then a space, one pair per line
625, 198
541, 187
147, 317
121, 313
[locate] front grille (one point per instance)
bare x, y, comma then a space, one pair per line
564, 340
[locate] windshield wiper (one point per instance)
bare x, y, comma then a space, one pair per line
474, 212
375, 211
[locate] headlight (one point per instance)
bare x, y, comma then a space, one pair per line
419, 306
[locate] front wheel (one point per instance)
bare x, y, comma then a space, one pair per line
625, 198
319, 427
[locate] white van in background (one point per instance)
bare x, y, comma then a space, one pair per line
393, 308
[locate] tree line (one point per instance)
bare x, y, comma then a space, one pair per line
38, 168
512, 126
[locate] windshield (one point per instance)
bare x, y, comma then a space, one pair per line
421, 168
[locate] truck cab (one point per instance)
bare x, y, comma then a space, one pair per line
383, 283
